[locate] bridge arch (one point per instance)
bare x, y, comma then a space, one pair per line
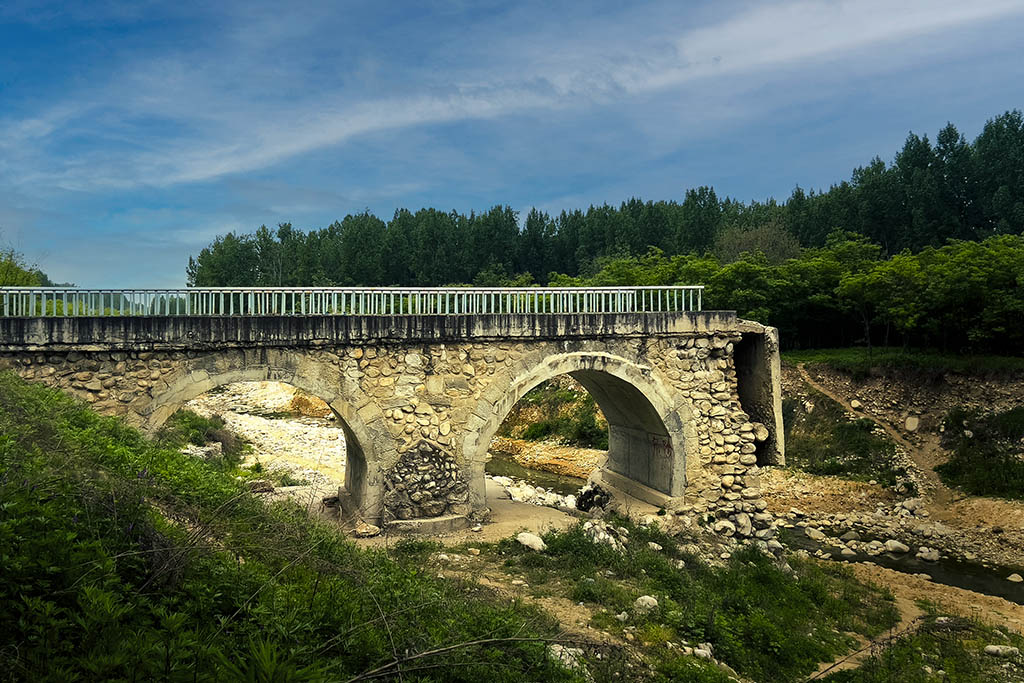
362, 460
650, 428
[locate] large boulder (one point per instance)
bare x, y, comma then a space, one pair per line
532, 541
645, 603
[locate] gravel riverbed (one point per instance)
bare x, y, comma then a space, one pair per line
309, 449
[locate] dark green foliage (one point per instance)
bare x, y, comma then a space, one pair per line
963, 296
826, 441
953, 645
987, 450
762, 622
125, 560
921, 364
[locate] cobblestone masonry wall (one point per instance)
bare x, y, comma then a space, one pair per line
438, 403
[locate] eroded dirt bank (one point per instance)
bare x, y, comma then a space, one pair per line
972, 528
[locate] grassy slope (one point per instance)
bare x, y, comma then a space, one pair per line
766, 623
124, 560
825, 441
859, 363
987, 462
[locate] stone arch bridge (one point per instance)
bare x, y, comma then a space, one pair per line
422, 379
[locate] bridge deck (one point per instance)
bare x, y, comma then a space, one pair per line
207, 332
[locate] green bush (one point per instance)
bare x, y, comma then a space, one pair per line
574, 417
986, 452
186, 427
825, 441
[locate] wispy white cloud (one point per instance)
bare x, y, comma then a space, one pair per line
228, 107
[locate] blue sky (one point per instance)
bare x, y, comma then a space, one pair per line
132, 133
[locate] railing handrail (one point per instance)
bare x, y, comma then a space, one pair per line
271, 301
347, 289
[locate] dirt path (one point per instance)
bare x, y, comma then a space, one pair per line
977, 516
909, 615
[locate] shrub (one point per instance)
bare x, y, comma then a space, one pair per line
571, 417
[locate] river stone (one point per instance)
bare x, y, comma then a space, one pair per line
894, 546
1001, 651
364, 530
532, 541
645, 603
814, 534
1015, 578
856, 405
912, 423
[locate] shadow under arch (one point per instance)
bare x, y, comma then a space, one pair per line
360, 495
647, 425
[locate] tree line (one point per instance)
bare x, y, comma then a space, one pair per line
963, 296
928, 194
896, 215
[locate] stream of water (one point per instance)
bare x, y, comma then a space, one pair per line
504, 465
971, 576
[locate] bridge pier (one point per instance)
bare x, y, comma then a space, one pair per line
692, 399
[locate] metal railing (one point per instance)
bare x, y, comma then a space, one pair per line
270, 301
